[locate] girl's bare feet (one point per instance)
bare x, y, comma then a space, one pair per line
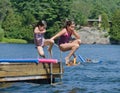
66, 60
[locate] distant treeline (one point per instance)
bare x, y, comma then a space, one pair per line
18, 17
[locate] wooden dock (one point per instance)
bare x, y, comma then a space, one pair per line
10, 72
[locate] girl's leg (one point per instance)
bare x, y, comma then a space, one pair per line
40, 51
72, 51
70, 46
74, 55
50, 43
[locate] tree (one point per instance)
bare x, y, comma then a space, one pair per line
58, 12
17, 16
79, 11
11, 24
1, 33
105, 22
115, 30
28, 18
5, 5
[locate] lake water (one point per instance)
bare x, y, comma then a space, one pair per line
85, 78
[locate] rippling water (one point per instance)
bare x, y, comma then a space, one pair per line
85, 78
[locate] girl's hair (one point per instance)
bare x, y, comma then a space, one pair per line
68, 23
41, 23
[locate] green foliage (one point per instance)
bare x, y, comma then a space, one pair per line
53, 30
18, 16
28, 18
79, 12
5, 5
6, 40
95, 24
105, 22
1, 33
80, 19
115, 30
100, 6
27, 33
11, 24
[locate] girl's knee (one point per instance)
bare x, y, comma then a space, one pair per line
77, 45
79, 41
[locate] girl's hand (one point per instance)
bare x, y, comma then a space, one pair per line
52, 40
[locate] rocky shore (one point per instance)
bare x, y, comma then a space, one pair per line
91, 35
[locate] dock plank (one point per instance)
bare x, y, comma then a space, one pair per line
27, 69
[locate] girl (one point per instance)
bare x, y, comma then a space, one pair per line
39, 39
65, 43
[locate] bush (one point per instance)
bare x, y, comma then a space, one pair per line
115, 29
1, 34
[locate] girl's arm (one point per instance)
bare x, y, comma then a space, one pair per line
36, 30
42, 31
77, 36
58, 34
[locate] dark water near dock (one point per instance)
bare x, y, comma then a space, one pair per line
85, 78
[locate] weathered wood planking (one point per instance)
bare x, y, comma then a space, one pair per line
28, 70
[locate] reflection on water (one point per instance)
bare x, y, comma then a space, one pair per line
5, 85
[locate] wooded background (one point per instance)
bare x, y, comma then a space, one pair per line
17, 17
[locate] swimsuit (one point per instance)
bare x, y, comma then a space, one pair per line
39, 39
65, 38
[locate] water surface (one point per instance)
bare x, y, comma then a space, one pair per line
85, 78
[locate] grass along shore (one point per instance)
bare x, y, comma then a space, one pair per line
7, 40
